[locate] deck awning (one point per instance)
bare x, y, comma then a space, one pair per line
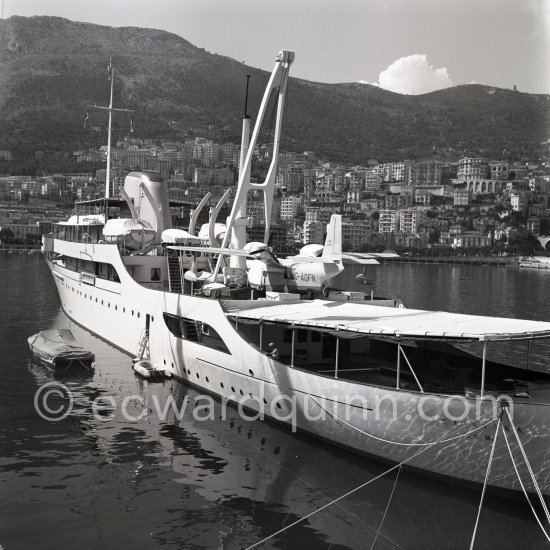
362, 318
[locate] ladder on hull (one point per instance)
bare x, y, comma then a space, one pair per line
143, 347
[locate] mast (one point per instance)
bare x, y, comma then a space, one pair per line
108, 175
277, 83
111, 109
238, 233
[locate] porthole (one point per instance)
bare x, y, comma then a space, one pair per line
198, 375
123, 310
138, 314
96, 300
109, 304
265, 401
278, 405
232, 389
241, 392
152, 318
101, 302
164, 361
132, 313
116, 307
221, 385
207, 380
188, 371
251, 372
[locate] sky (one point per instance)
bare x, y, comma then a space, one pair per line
406, 46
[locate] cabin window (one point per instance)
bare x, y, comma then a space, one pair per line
194, 331
155, 274
287, 335
173, 324
302, 336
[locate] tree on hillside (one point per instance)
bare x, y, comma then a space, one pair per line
6, 235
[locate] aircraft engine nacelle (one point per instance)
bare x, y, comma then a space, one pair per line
254, 247
312, 250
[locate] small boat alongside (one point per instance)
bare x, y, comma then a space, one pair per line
58, 349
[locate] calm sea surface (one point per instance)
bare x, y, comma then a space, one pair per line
188, 484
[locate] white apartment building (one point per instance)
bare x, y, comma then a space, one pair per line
314, 232
469, 168
291, 206
411, 220
518, 200
388, 221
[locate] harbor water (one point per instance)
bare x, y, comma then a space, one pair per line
114, 473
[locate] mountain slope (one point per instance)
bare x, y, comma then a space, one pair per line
52, 68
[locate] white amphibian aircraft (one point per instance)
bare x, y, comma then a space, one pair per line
310, 271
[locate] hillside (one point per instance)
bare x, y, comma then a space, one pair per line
52, 68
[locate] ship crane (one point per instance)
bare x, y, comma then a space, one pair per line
236, 223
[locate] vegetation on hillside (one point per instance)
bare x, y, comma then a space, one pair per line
51, 69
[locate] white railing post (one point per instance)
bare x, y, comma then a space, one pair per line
483, 366
398, 365
337, 357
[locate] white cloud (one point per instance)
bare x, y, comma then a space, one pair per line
413, 74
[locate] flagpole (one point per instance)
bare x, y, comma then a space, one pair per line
108, 176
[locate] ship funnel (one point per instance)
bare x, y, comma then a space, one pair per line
147, 192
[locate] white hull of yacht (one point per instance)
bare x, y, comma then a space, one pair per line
384, 424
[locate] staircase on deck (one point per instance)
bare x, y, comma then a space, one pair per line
174, 274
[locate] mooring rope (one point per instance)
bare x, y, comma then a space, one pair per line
401, 443
523, 486
387, 508
528, 464
489, 464
424, 449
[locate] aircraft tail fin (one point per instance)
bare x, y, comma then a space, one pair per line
333, 243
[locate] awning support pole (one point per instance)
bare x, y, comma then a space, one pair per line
337, 357
293, 346
398, 365
528, 353
483, 365
412, 370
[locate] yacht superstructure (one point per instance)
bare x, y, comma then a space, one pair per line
386, 382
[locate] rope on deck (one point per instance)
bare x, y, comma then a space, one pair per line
396, 466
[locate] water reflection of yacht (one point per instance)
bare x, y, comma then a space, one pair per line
213, 332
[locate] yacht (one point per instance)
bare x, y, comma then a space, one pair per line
410, 387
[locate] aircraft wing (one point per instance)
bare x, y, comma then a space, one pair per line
363, 259
383, 255
307, 259
212, 250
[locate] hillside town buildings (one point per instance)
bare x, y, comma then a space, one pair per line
473, 202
